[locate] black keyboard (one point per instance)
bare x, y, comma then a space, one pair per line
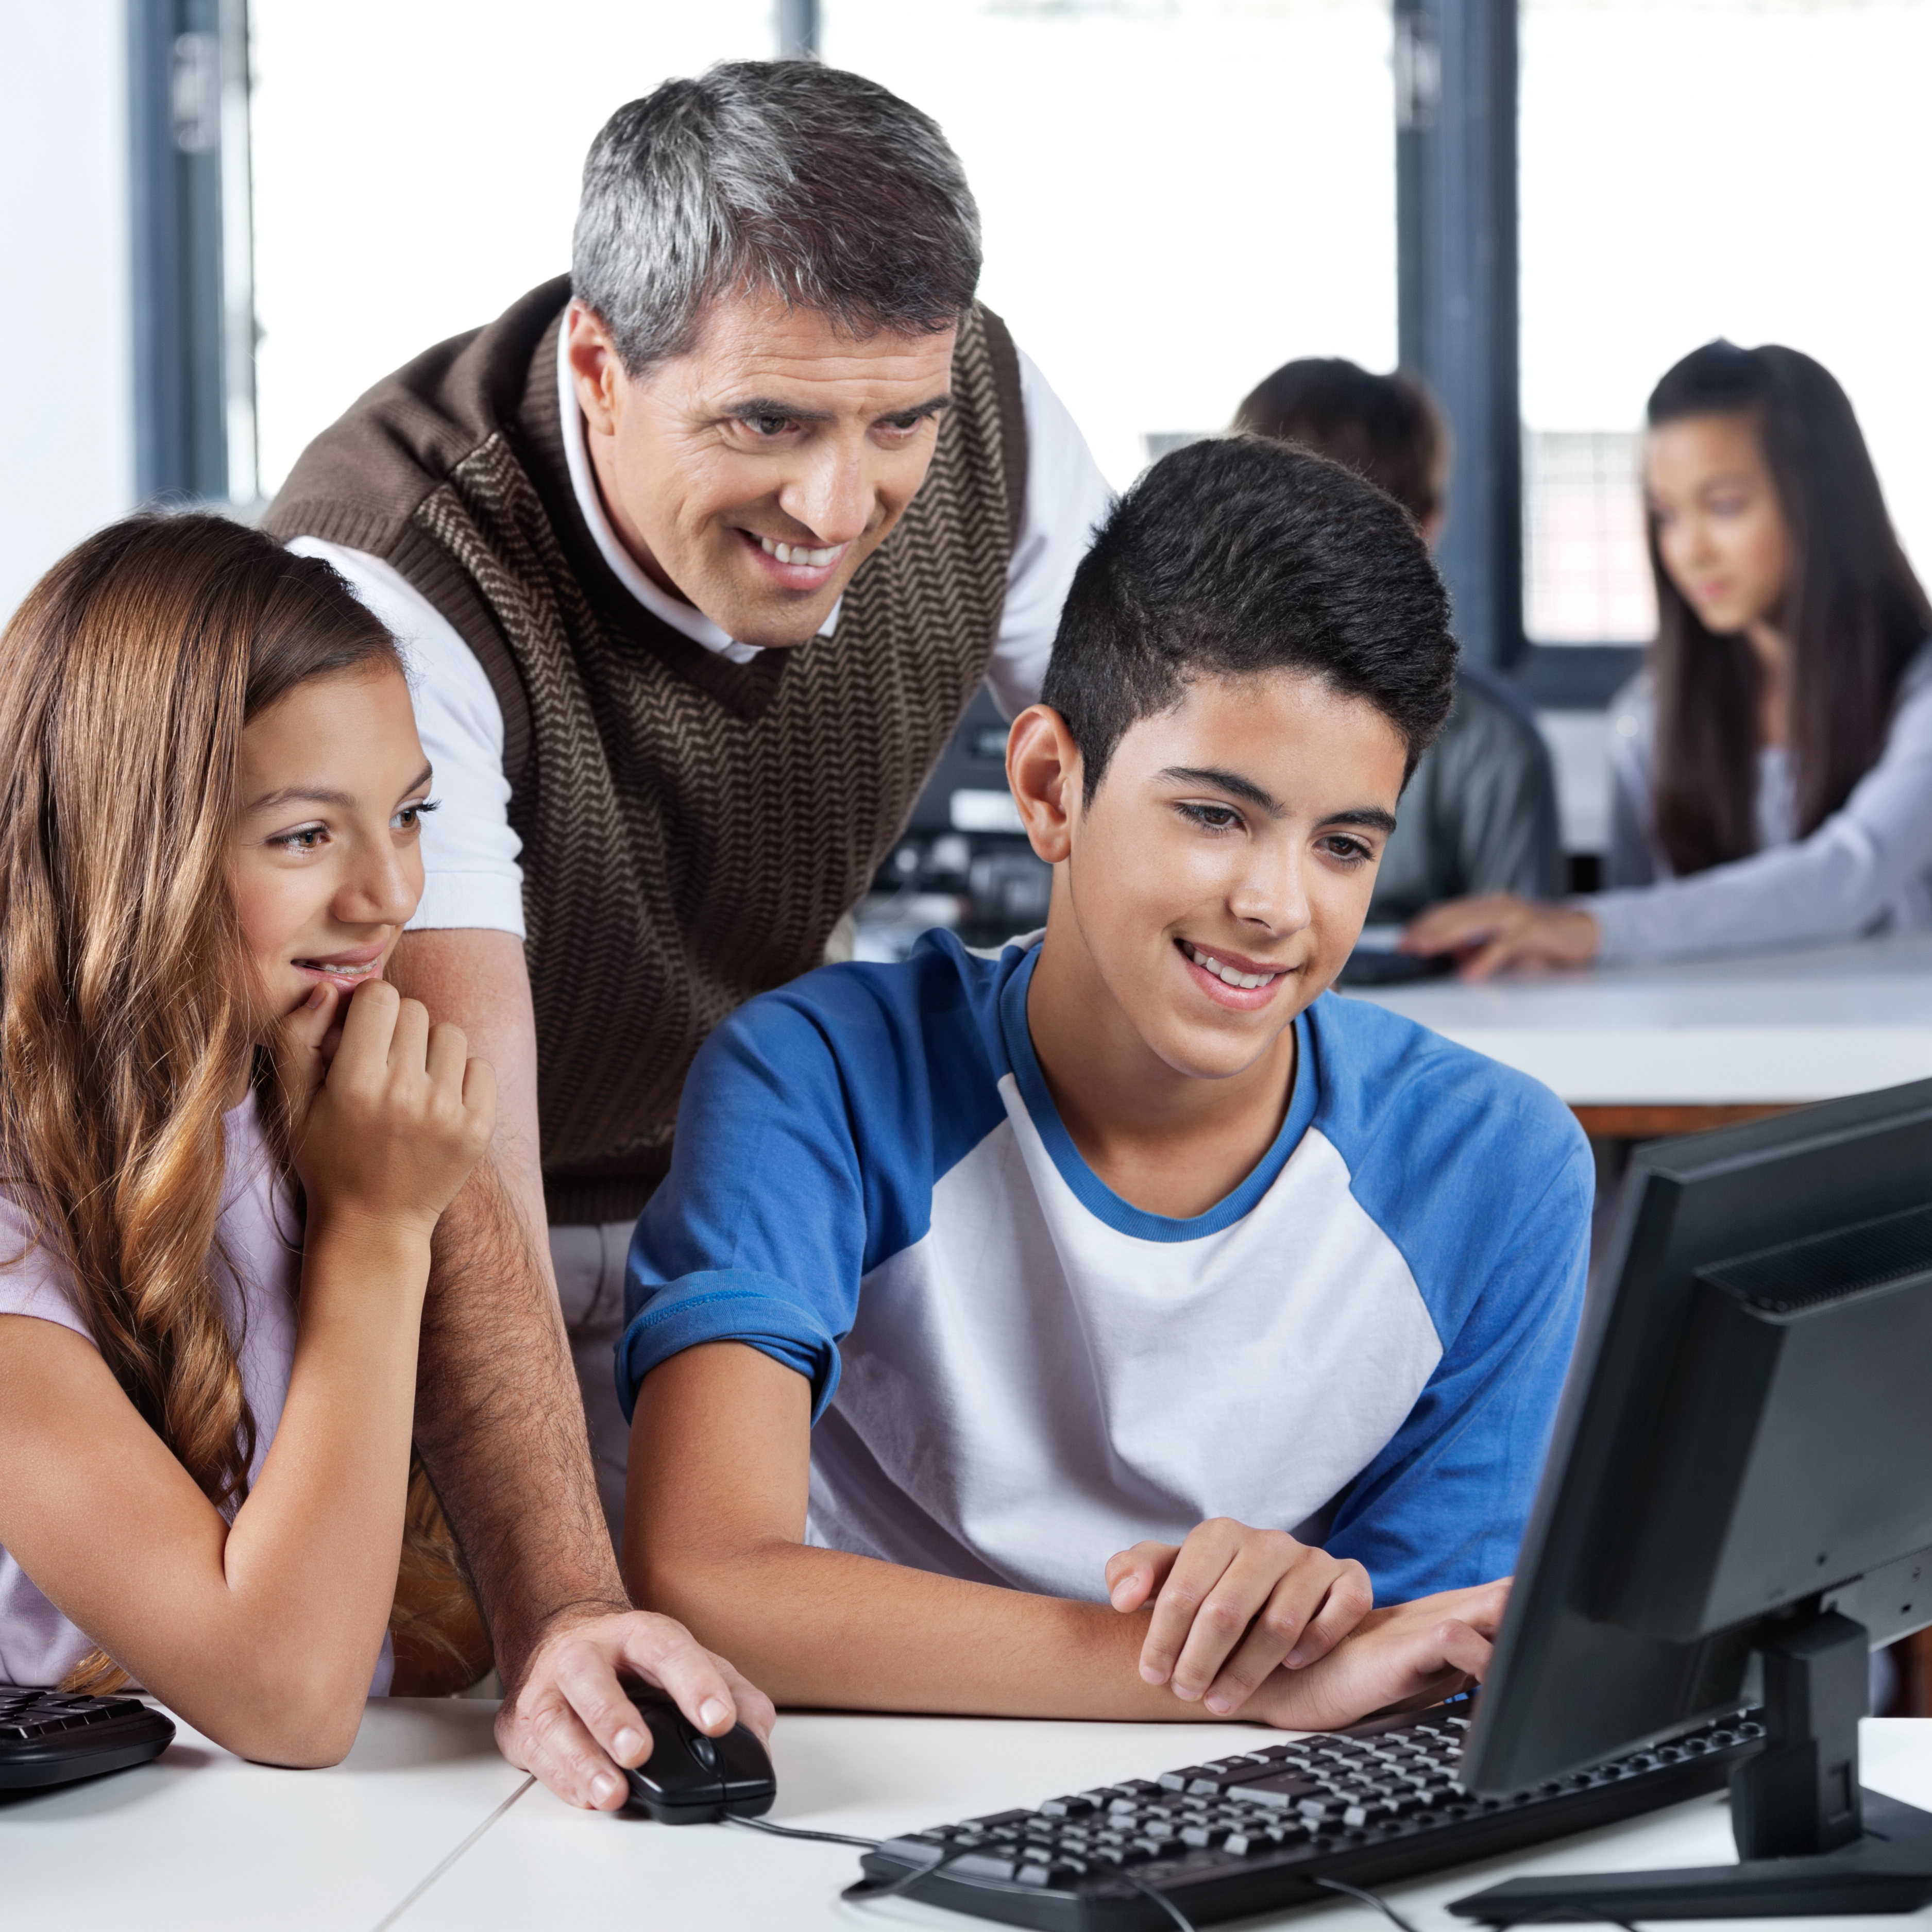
1257, 1830
47, 1737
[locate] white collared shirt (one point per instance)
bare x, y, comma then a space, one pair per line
472, 876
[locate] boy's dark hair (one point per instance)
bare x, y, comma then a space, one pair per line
1239, 556
1388, 428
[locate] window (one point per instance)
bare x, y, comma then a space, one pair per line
1178, 195
1694, 168
416, 170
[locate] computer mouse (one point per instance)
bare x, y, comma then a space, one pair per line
691, 1779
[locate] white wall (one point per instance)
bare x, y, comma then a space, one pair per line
1178, 195
1755, 169
416, 170
67, 447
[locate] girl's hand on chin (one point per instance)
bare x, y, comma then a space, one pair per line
390, 1112
305, 1042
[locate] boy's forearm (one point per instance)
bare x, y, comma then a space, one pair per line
821, 1627
714, 1536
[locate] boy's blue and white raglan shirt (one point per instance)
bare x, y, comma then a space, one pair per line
1015, 1373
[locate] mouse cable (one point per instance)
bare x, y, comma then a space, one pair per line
1161, 1899
1369, 1898
867, 1890
795, 1831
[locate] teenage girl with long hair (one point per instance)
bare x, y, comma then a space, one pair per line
1773, 762
224, 1142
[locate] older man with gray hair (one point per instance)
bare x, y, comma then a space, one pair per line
699, 554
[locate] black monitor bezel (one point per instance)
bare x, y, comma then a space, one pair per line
1566, 1688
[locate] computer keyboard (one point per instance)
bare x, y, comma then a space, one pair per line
47, 1737
1258, 1830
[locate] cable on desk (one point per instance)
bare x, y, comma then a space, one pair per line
798, 1832
1161, 1899
867, 1890
1369, 1898
390, 1919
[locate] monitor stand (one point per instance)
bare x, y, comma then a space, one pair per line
1810, 1840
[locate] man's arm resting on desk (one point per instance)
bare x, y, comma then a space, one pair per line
714, 1534
500, 1425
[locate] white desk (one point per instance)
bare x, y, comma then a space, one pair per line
1753, 1031
200, 1840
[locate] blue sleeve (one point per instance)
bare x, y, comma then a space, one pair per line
811, 1128
1445, 1504
1486, 1183
757, 1232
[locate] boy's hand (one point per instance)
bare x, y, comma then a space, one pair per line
396, 1113
1234, 1604
1404, 1658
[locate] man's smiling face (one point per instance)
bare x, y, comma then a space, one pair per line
751, 476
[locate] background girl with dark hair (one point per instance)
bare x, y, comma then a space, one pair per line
1774, 761
224, 1142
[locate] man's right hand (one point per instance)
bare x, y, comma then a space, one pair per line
570, 1721
1406, 1657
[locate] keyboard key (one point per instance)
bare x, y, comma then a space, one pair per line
1049, 1875
1282, 1792
984, 1864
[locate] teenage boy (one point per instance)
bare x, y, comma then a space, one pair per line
1087, 1331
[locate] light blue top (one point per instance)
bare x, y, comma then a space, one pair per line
1016, 1373
1868, 869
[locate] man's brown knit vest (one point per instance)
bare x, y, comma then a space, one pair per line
692, 829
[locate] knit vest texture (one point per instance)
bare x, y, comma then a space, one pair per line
692, 829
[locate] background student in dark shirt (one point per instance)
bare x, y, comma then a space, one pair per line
1480, 814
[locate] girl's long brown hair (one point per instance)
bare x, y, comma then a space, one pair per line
1853, 611
127, 1005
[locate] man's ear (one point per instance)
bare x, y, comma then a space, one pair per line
1043, 769
597, 367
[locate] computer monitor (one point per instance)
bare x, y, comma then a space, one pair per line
1736, 1507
